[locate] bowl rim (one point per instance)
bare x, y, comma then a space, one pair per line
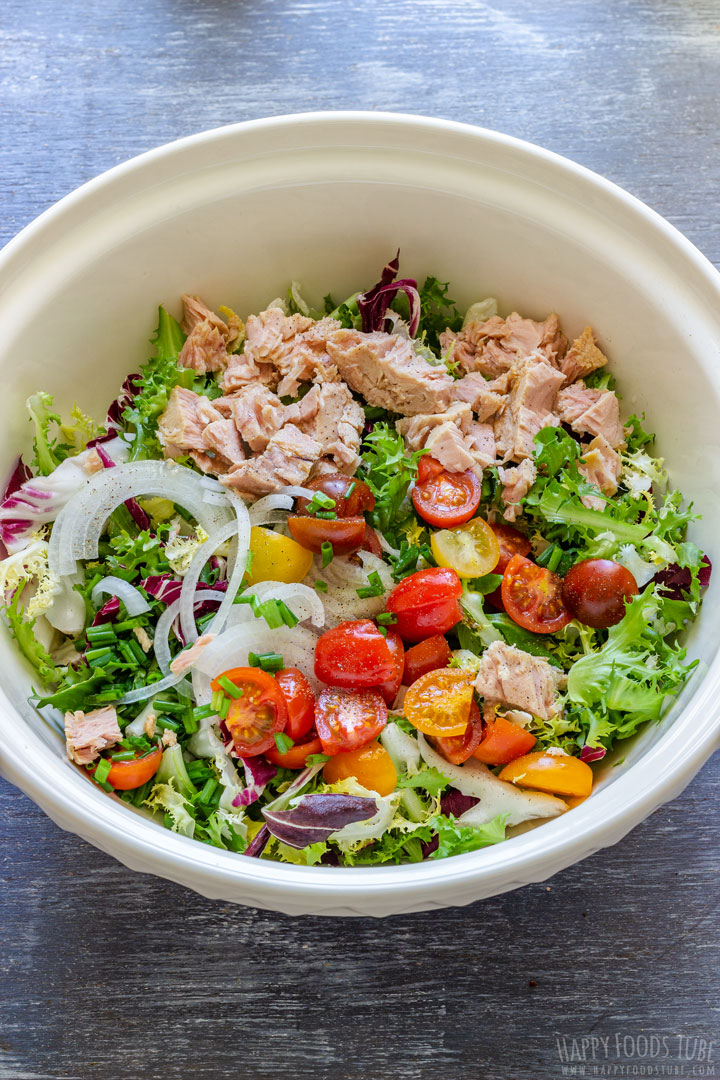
667, 765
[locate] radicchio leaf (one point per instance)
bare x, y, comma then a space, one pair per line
316, 817
108, 612
20, 475
128, 392
676, 580
373, 305
256, 847
166, 588
453, 802
592, 753
258, 774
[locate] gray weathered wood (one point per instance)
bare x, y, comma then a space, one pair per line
107, 973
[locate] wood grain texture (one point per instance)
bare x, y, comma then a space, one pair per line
106, 973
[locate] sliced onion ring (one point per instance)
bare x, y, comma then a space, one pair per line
135, 603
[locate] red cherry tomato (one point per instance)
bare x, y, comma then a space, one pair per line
431, 654
532, 596
354, 654
390, 687
300, 702
426, 603
503, 741
512, 542
255, 718
458, 748
348, 719
595, 590
445, 499
128, 775
296, 757
371, 542
345, 534
337, 485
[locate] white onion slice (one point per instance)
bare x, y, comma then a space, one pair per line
384, 544
135, 603
303, 601
212, 484
161, 640
296, 645
215, 498
269, 517
298, 492
275, 501
143, 692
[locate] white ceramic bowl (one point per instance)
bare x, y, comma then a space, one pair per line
234, 215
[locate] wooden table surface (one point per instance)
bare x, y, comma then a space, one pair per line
611, 969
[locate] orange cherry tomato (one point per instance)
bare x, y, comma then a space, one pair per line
429, 655
458, 748
128, 775
371, 766
511, 542
426, 603
532, 596
503, 741
445, 499
390, 687
557, 774
345, 534
296, 757
300, 702
255, 718
438, 703
348, 719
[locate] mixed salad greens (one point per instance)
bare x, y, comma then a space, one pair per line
290, 609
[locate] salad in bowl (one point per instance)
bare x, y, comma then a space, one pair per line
366, 584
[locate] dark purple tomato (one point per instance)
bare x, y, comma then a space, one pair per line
595, 591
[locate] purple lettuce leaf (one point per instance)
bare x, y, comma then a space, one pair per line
454, 802
592, 753
676, 580
258, 774
374, 304
316, 817
256, 847
128, 392
20, 475
166, 588
108, 612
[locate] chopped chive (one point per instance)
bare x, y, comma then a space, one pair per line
98, 633
107, 695
283, 742
321, 586
374, 587
319, 503
216, 700
96, 657
163, 722
289, 617
137, 651
386, 618
271, 613
102, 771
382, 630
266, 661
124, 755
203, 622
190, 723
350, 490
129, 624
126, 652
202, 712
169, 706
224, 708
326, 515
209, 788
229, 687
316, 759
327, 553
199, 771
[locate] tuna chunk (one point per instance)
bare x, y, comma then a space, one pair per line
534, 386
475, 390
185, 660
86, 734
196, 311
601, 466
294, 345
582, 357
514, 677
386, 371
181, 426
494, 346
205, 348
593, 412
288, 459
336, 423
516, 483
452, 437
258, 414
222, 440
242, 370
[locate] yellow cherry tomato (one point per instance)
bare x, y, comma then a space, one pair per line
438, 703
276, 557
371, 765
471, 550
558, 774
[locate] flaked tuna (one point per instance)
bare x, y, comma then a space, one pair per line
514, 677
386, 371
288, 459
478, 392
601, 466
453, 438
185, 660
86, 734
494, 346
582, 357
222, 440
258, 414
534, 387
516, 483
181, 426
293, 345
337, 422
205, 349
196, 311
591, 412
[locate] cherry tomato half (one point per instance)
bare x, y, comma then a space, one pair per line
348, 719
503, 741
439, 702
371, 542
337, 485
446, 499
458, 748
471, 550
300, 702
128, 775
595, 590
354, 655
296, 757
426, 603
532, 596
255, 718
558, 774
390, 687
371, 766
345, 534
431, 654
511, 542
